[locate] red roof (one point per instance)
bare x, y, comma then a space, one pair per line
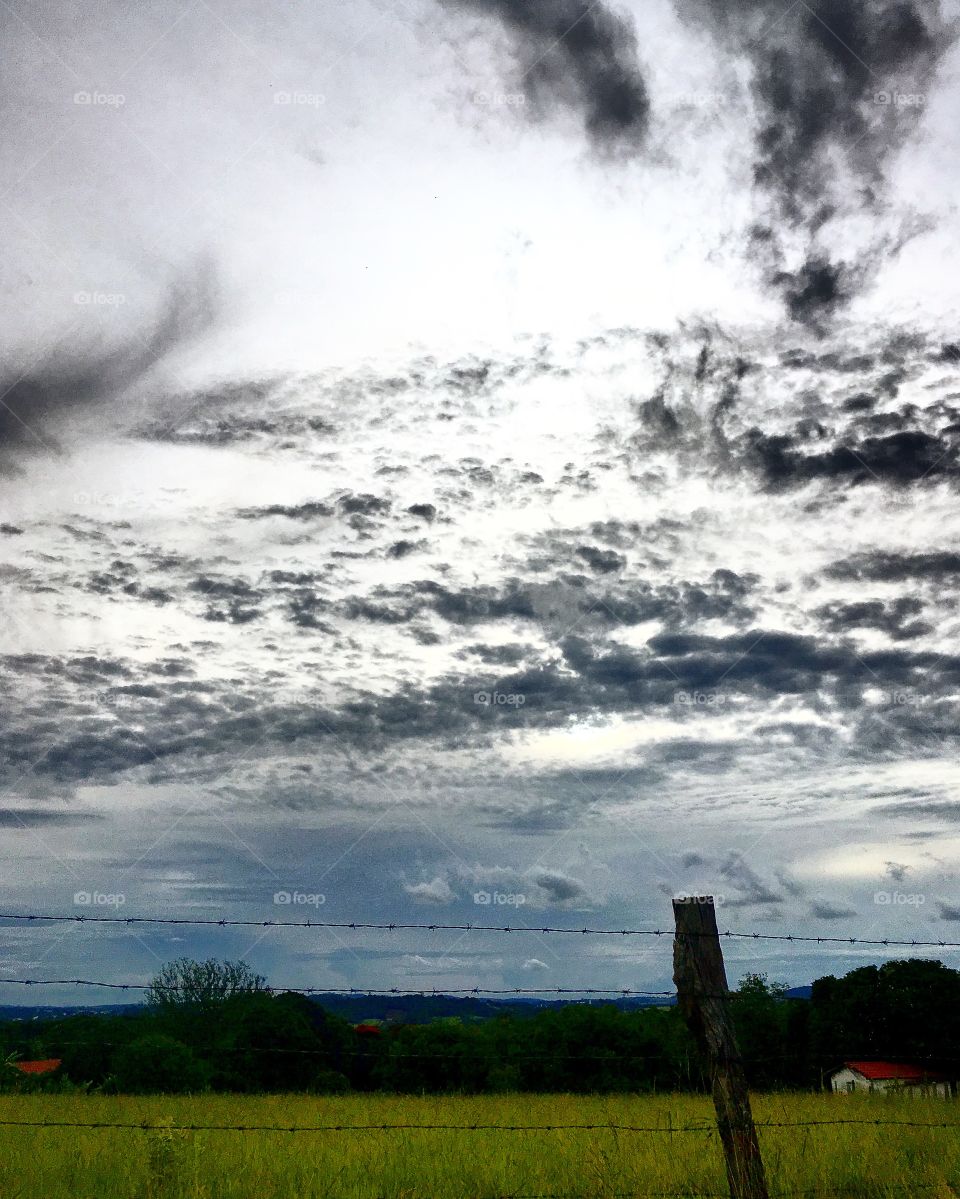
41, 1067
901, 1071
367, 1029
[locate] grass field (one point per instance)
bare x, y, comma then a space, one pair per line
69, 1163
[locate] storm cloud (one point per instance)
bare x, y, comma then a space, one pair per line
578, 56
839, 86
39, 402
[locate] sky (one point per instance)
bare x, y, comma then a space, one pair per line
477, 461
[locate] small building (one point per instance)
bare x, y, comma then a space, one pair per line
889, 1076
45, 1065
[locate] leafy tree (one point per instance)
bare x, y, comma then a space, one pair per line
759, 1016
201, 986
906, 1009
267, 1043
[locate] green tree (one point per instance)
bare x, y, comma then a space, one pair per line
906, 1009
270, 1043
760, 1017
201, 986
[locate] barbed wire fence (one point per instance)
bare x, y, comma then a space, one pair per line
704, 1007
399, 926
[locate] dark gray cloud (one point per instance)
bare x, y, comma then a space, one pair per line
39, 401
825, 909
751, 889
562, 601
600, 560
756, 661
813, 292
26, 818
888, 566
231, 600
559, 887
499, 655
541, 816
827, 77
309, 510
896, 618
579, 56
423, 511
832, 431
789, 460
926, 809
404, 548
363, 505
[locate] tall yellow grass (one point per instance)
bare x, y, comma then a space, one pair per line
66, 1163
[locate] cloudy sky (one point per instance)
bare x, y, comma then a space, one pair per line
477, 460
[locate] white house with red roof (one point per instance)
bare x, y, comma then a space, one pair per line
889, 1076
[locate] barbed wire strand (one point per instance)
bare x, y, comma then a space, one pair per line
34, 1032
437, 992
708, 1129
398, 926
692, 1191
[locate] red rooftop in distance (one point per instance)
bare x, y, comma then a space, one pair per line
876, 1071
43, 1066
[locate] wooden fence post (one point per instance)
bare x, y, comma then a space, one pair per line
702, 996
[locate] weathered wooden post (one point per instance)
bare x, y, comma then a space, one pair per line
702, 996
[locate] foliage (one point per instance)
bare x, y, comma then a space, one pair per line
157, 1064
220, 1028
200, 986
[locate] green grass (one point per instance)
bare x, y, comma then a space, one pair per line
873, 1162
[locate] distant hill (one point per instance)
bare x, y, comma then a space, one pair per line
420, 1009
36, 1012
407, 1009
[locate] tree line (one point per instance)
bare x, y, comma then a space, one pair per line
217, 1026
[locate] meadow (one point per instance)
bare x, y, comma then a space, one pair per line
170, 1163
